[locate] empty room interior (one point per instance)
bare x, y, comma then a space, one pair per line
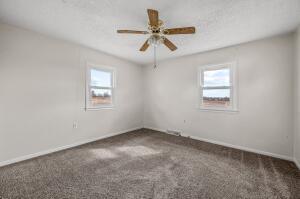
169, 99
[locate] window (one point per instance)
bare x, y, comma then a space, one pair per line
218, 87
99, 87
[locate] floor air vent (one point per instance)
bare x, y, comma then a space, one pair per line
177, 133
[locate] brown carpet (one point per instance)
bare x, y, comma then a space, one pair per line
149, 164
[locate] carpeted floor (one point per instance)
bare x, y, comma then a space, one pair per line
149, 164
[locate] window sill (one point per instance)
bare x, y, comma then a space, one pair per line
99, 108
218, 110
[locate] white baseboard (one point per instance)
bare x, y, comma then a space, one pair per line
231, 145
30, 156
297, 163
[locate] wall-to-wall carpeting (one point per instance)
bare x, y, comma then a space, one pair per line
149, 164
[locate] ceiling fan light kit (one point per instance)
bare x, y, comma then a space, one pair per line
158, 32
155, 40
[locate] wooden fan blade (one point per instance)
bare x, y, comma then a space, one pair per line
144, 46
184, 30
132, 31
169, 44
153, 17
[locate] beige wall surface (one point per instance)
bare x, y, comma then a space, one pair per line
264, 121
42, 94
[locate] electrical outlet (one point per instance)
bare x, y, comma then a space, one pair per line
75, 126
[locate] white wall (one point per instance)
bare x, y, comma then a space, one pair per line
42, 89
265, 118
297, 101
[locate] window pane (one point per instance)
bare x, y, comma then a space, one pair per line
100, 78
217, 77
101, 96
216, 97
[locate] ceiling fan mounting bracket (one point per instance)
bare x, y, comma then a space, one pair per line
166, 32
156, 29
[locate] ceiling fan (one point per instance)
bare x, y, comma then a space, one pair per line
158, 32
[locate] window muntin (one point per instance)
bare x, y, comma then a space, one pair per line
100, 87
217, 87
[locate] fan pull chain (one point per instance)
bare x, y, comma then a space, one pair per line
154, 56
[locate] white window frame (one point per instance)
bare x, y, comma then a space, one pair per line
233, 86
89, 67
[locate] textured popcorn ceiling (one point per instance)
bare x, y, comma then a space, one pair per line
93, 23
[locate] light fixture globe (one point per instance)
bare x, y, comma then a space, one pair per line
155, 40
